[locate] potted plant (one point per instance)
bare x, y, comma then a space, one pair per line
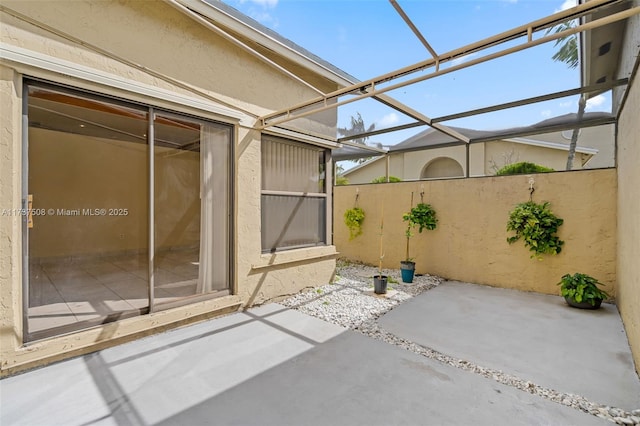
380, 281
353, 218
424, 217
536, 225
581, 291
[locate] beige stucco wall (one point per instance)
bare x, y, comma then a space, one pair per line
629, 218
477, 159
10, 235
117, 168
175, 49
115, 175
470, 241
601, 138
375, 168
496, 152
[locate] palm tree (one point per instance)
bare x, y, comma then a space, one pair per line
568, 53
357, 128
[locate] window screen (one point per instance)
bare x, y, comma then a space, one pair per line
293, 195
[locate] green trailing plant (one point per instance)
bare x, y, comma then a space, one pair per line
581, 288
522, 168
423, 216
353, 218
537, 226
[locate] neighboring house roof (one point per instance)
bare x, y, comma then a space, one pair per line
352, 153
361, 166
552, 145
431, 138
602, 46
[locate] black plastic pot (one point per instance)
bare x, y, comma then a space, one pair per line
380, 284
407, 269
583, 305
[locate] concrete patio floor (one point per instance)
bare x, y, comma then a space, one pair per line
275, 366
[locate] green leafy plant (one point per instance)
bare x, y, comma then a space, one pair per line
353, 218
423, 216
341, 180
522, 168
537, 226
581, 288
383, 179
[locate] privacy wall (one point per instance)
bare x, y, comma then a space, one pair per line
470, 244
629, 207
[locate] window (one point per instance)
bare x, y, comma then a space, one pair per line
130, 210
294, 199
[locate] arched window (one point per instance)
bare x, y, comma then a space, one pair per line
442, 167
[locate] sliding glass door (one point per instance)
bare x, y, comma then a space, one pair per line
191, 168
128, 210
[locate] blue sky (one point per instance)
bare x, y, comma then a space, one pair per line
367, 38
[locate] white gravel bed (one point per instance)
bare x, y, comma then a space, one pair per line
350, 302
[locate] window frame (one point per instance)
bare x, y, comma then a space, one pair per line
325, 172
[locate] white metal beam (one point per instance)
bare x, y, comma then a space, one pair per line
421, 117
415, 29
369, 88
577, 91
382, 131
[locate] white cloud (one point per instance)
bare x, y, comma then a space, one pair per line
263, 3
388, 120
546, 113
567, 4
595, 102
259, 10
265, 18
567, 104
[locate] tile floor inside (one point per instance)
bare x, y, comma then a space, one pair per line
70, 290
